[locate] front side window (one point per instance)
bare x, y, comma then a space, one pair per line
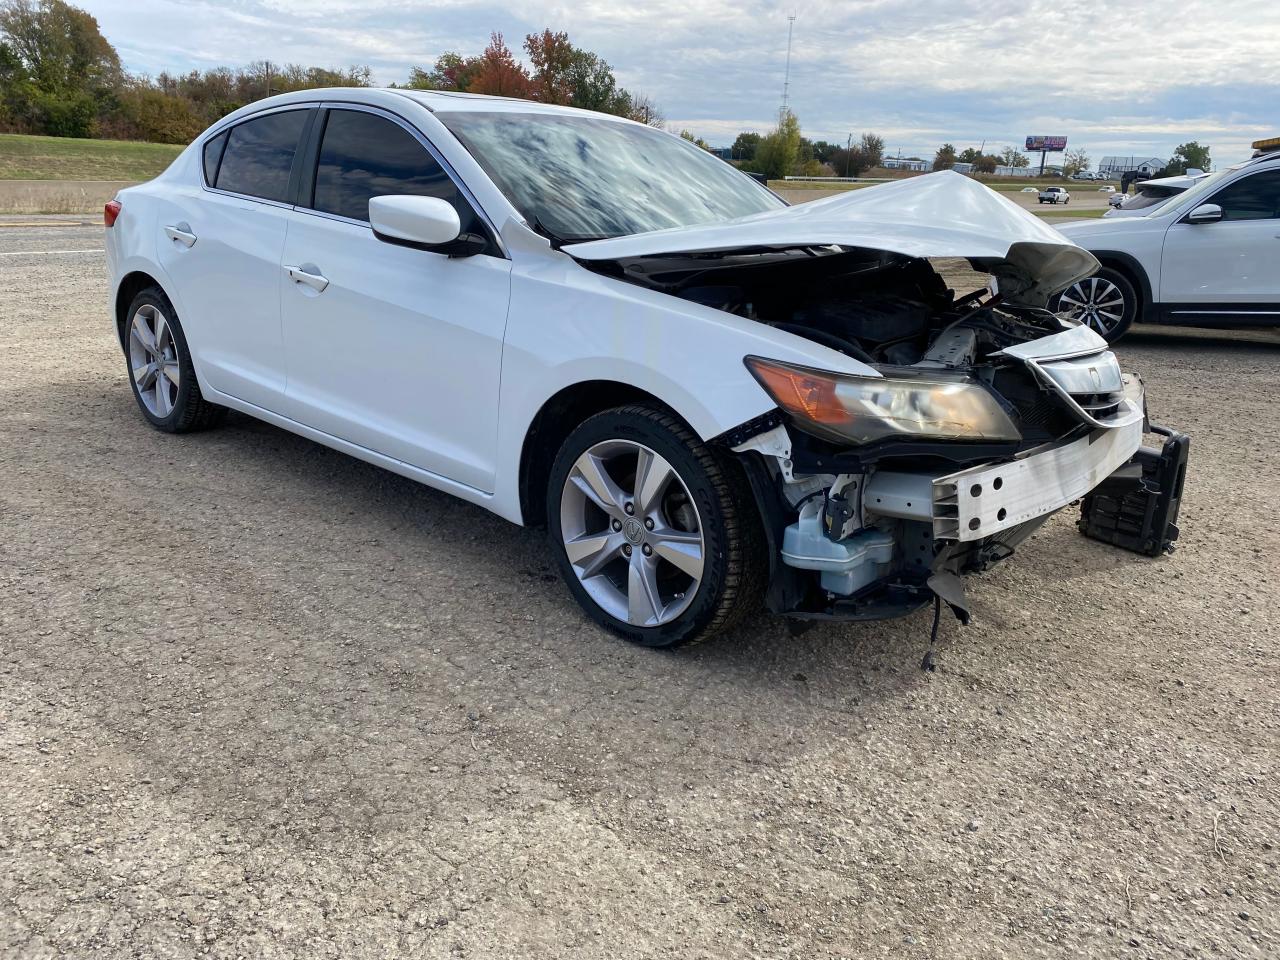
1255, 197
579, 178
259, 155
363, 155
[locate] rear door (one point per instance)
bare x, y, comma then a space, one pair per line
1227, 272
222, 244
395, 349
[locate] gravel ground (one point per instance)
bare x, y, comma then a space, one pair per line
261, 700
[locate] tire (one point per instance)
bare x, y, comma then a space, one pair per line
621, 571
1084, 299
174, 407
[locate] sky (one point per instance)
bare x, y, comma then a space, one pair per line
1137, 77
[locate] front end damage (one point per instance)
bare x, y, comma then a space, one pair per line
972, 418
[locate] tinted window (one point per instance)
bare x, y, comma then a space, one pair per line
259, 154
212, 157
363, 156
579, 177
1253, 198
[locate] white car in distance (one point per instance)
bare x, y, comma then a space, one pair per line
710, 399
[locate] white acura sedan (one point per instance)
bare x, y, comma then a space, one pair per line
711, 399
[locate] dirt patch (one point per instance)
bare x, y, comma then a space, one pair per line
259, 699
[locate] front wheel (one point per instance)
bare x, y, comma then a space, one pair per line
656, 535
1107, 302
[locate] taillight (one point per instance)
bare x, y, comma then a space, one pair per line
110, 212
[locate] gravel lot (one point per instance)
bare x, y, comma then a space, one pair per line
261, 700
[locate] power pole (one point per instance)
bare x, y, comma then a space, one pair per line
786, 77
848, 155
268, 78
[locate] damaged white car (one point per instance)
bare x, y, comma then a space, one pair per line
711, 399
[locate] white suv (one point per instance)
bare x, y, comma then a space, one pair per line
1207, 257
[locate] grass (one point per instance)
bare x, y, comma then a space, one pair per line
1068, 212
67, 158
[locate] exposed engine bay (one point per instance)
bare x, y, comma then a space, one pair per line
877, 524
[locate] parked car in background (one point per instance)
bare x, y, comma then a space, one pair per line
1054, 195
1206, 256
1149, 193
710, 399
1029, 190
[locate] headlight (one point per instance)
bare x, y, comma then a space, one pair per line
907, 403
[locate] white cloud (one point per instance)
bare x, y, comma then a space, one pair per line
1147, 71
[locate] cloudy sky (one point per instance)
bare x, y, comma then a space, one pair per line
1138, 76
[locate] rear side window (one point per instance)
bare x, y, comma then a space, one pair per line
212, 157
1255, 197
259, 155
363, 155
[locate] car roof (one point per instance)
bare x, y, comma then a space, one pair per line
452, 101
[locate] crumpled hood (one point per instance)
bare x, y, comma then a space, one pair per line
937, 215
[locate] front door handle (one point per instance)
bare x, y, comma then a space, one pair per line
309, 275
181, 233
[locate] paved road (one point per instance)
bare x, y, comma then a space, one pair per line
261, 700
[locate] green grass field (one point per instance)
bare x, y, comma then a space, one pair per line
66, 158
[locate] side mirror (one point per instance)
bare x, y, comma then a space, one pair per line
1205, 213
426, 222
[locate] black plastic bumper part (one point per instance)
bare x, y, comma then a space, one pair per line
1136, 508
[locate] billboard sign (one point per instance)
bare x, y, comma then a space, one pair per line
1052, 144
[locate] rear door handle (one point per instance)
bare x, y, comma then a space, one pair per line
309, 275
181, 232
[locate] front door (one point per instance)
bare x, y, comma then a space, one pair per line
1229, 269
395, 349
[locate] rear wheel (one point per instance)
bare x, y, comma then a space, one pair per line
160, 368
656, 535
1107, 302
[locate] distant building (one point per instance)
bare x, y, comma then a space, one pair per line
1116, 167
724, 153
960, 167
907, 163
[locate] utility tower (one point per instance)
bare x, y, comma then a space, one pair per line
786, 77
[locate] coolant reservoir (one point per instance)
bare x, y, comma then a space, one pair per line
846, 566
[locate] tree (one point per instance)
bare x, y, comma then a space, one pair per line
1074, 161
552, 57
497, 73
744, 148
697, 141
872, 149
968, 155
1010, 157
63, 72
452, 71
1188, 155
945, 158
778, 153
985, 163
644, 110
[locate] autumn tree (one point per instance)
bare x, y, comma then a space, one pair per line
498, 74
945, 158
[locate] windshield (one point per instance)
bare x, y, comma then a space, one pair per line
579, 178
1200, 188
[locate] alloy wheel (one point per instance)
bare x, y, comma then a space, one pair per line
1095, 301
153, 359
632, 533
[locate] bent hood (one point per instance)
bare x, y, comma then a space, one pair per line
937, 215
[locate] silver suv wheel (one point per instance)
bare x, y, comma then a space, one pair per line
1095, 301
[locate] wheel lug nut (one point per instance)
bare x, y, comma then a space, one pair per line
630, 508
626, 551
648, 523
647, 550
617, 525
